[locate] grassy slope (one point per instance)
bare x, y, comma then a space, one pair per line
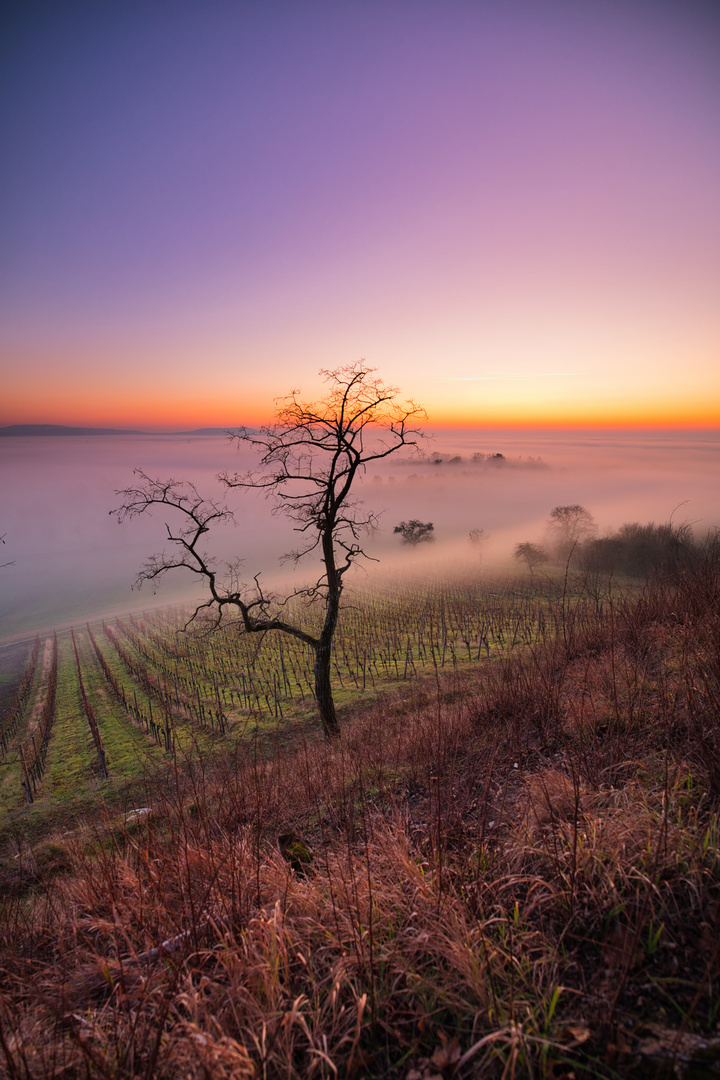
510, 869
385, 637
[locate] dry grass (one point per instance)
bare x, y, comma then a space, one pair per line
509, 872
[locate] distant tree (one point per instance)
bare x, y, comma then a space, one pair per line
570, 525
478, 539
415, 532
310, 460
531, 554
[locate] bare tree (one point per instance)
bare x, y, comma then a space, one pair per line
478, 539
415, 532
569, 526
309, 461
531, 554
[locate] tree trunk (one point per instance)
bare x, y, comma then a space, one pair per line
323, 690
323, 649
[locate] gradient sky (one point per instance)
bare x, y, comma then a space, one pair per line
511, 209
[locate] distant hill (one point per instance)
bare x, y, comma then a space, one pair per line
232, 428
61, 429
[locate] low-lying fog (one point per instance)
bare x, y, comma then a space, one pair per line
70, 560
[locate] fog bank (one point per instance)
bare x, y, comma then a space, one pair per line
71, 560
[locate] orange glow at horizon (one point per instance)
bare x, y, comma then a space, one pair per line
166, 410
183, 386
670, 415
180, 412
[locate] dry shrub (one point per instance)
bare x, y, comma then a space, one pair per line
552, 800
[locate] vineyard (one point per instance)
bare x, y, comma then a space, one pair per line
96, 704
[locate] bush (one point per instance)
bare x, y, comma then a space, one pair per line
641, 550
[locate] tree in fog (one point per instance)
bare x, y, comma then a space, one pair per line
309, 461
570, 526
415, 532
478, 538
531, 554
638, 550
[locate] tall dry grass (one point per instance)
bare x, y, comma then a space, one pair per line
509, 871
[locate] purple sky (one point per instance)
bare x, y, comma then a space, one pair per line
511, 209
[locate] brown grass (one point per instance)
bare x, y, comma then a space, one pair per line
509, 872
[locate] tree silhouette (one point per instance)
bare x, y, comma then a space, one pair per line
415, 532
569, 526
531, 554
309, 460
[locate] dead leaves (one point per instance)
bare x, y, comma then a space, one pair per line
444, 1060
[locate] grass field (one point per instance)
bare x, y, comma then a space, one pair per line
507, 865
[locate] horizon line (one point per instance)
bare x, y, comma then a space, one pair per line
492, 425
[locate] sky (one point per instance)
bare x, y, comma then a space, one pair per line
510, 209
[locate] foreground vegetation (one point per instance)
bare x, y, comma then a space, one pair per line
507, 867
94, 705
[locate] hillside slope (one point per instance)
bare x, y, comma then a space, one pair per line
511, 870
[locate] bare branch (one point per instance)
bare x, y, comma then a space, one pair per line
308, 462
